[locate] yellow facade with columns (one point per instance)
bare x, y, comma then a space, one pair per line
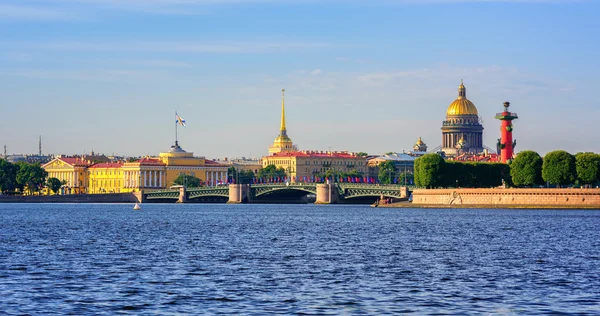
148, 173
72, 171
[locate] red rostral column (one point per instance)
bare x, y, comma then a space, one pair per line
506, 144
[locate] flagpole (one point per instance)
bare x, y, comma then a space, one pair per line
176, 129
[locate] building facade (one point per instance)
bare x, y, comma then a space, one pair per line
147, 173
300, 166
72, 171
462, 131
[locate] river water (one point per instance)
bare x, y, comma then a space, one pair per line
295, 259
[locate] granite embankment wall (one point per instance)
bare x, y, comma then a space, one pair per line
525, 197
75, 198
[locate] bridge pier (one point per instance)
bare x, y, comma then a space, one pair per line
327, 193
182, 195
239, 193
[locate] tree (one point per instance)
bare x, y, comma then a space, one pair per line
33, 176
243, 177
187, 180
526, 169
8, 176
271, 171
416, 175
362, 154
387, 172
390, 153
54, 184
406, 178
587, 166
431, 170
559, 168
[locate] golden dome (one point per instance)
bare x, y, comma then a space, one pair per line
419, 142
282, 139
462, 105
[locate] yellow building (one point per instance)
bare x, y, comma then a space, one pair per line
160, 172
301, 166
148, 173
282, 143
70, 170
105, 178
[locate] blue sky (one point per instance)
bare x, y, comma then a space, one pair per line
367, 76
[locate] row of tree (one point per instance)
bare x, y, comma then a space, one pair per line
433, 171
22, 176
528, 169
556, 168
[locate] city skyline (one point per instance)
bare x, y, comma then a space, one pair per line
108, 76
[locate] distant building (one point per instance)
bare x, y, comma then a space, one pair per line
404, 162
41, 159
243, 164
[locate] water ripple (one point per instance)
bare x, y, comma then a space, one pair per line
296, 259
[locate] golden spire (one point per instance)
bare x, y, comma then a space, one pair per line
462, 91
282, 110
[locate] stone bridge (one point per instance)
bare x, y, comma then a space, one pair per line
254, 193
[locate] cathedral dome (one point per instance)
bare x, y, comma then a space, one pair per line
462, 105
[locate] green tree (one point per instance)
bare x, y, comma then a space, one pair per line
54, 184
243, 177
362, 154
559, 168
271, 171
587, 166
187, 180
390, 153
431, 170
526, 169
32, 176
416, 175
8, 176
406, 178
387, 172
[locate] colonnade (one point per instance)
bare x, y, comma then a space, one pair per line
69, 176
145, 179
215, 177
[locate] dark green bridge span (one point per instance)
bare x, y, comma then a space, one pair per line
246, 193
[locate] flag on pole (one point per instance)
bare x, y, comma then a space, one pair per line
179, 120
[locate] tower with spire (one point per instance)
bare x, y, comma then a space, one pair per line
282, 143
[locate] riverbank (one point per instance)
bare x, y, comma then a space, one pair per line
134, 197
492, 206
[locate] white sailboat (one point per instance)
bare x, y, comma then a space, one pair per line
137, 207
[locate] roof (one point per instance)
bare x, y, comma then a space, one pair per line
396, 157
149, 161
478, 157
214, 163
108, 165
76, 161
317, 154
